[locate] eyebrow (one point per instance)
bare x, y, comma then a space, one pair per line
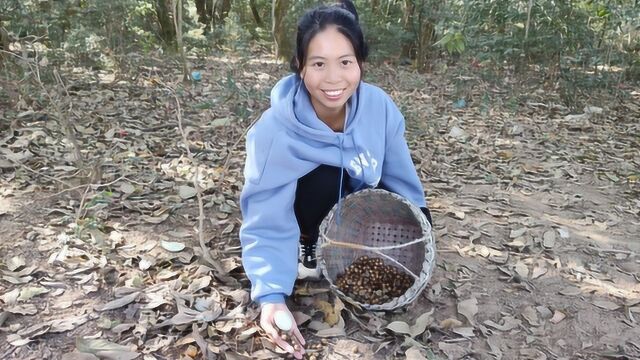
323, 58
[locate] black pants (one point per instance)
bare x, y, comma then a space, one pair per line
316, 194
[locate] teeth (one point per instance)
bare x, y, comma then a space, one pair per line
333, 92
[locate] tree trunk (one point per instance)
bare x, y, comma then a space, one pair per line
220, 11
375, 4
407, 24
167, 29
281, 39
4, 44
177, 22
201, 9
426, 39
426, 35
256, 14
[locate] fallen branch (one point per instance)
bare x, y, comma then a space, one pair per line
205, 249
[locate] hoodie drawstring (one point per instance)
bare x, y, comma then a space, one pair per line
341, 138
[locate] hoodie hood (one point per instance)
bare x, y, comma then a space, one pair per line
290, 98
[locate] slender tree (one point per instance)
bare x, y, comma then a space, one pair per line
281, 39
167, 28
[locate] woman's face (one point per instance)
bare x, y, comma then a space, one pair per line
331, 72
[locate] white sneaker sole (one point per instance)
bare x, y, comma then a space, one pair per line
307, 273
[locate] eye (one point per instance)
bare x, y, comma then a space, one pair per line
318, 65
346, 62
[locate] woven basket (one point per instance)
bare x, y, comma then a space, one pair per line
377, 223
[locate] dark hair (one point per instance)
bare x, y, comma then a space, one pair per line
344, 16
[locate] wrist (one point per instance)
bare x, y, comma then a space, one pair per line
276, 298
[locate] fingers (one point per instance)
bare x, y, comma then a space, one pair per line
293, 345
272, 332
284, 345
298, 335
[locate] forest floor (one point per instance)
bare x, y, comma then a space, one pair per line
536, 211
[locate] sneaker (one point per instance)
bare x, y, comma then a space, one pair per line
308, 266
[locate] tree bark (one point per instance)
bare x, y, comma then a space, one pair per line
201, 9
426, 35
407, 24
256, 14
375, 4
177, 22
167, 29
4, 43
281, 40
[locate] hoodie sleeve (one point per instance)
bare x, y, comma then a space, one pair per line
269, 233
398, 171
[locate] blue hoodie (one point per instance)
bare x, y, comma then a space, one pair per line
288, 142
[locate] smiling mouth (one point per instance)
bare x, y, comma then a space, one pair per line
333, 93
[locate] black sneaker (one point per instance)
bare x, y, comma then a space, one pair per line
308, 266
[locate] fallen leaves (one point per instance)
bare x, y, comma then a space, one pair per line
118, 303
401, 327
468, 308
507, 191
104, 349
172, 246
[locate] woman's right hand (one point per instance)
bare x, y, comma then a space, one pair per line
268, 325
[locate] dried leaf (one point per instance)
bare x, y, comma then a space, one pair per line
538, 271
464, 331
450, 323
335, 331
172, 246
146, 262
200, 284
300, 317
79, 356
26, 309
509, 323
105, 349
186, 192
570, 291
522, 269
452, 351
544, 312
549, 239
530, 314
606, 304
17, 280
413, 353
17, 340
11, 297
127, 188
557, 317
155, 219
118, 303
31, 291
15, 263
401, 327
564, 233
517, 233
468, 308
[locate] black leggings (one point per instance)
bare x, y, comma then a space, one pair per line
316, 194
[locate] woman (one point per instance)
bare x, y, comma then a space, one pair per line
326, 134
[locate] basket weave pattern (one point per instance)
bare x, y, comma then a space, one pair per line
377, 223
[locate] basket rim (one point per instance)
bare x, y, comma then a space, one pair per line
428, 265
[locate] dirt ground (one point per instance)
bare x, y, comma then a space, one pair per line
536, 212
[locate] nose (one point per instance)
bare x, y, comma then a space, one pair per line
333, 75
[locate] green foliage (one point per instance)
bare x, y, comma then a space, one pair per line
453, 42
582, 43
